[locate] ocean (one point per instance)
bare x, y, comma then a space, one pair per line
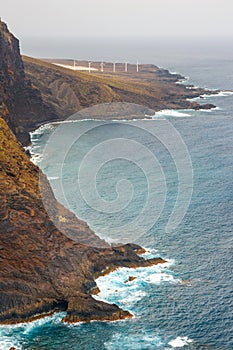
165, 184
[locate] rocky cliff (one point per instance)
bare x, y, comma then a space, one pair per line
41, 269
21, 104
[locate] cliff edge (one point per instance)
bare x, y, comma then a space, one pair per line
21, 103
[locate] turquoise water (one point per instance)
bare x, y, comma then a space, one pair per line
188, 302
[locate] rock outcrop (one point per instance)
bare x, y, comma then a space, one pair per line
21, 103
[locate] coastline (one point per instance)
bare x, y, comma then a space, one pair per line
60, 272
103, 311
153, 89
103, 273
117, 313
55, 283
77, 318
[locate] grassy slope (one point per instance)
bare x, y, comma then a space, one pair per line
68, 91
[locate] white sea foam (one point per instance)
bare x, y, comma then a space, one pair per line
134, 341
117, 288
223, 93
10, 335
36, 158
55, 319
209, 110
182, 81
150, 253
179, 342
42, 129
157, 278
171, 113
192, 87
34, 147
7, 342
68, 121
53, 177
192, 99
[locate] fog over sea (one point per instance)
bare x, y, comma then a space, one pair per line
187, 303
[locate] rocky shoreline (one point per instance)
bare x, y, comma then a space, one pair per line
153, 89
42, 271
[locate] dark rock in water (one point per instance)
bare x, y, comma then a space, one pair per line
136, 248
130, 279
42, 270
28, 153
204, 106
95, 290
85, 309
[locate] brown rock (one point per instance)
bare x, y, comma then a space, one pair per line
130, 279
85, 309
21, 102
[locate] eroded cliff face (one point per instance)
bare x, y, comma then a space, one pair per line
21, 104
41, 269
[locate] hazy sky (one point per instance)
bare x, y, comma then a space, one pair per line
117, 18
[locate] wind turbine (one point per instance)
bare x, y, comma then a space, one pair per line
102, 66
137, 66
89, 66
114, 67
126, 67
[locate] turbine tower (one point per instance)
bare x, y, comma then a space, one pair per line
137, 66
102, 66
126, 67
74, 64
89, 66
114, 67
